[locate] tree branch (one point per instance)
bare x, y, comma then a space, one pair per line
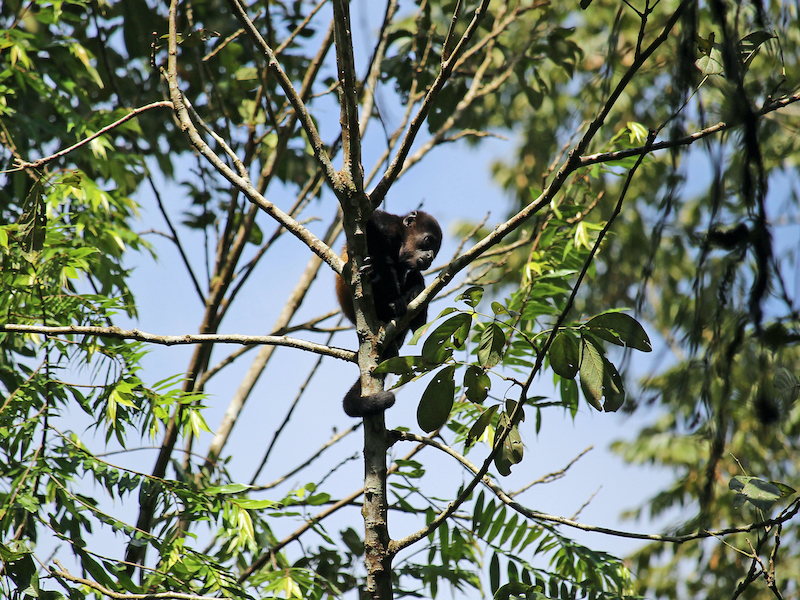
171, 340
602, 157
64, 574
21, 164
334, 179
239, 178
348, 99
398, 545
446, 69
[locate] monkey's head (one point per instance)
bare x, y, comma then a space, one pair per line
421, 240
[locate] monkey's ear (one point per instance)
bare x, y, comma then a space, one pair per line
409, 219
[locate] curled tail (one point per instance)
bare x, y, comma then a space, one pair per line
356, 405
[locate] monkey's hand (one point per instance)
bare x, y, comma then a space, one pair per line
399, 307
367, 268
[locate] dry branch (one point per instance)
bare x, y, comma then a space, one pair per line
171, 340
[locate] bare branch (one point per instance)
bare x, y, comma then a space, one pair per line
348, 100
396, 166
64, 574
334, 439
451, 32
307, 326
334, 179
237, 178
554, 476
267, 556
171, 340
19, 164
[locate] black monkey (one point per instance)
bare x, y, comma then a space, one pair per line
398, 250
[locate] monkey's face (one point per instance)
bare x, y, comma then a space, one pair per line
419, 250
421, 241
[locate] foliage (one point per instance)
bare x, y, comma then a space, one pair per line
706, 251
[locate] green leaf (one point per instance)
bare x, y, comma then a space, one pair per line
476, 384
437, 400
710, 64
245, 525
786, 384
438, 345
246, 74
353, 541
761, 494
621, 329
564, 355
318, 499
490, 348
401, 365
249, 504
477, 511
197, 422
494, 572
33, 220
472, 296
591, 371
599, 378
512, 450
98, 573
613, 389
750, 44
481, 424
231, 488
499, 309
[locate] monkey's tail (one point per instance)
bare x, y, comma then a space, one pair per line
356, 405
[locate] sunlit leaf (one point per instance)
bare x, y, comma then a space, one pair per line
761, 494
472, 296
490, 349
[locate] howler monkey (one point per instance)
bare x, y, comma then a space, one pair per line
398, 250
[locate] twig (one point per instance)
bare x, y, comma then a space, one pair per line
334, 439
175, 239
373, 76
303, 386
550, 477
396, 166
